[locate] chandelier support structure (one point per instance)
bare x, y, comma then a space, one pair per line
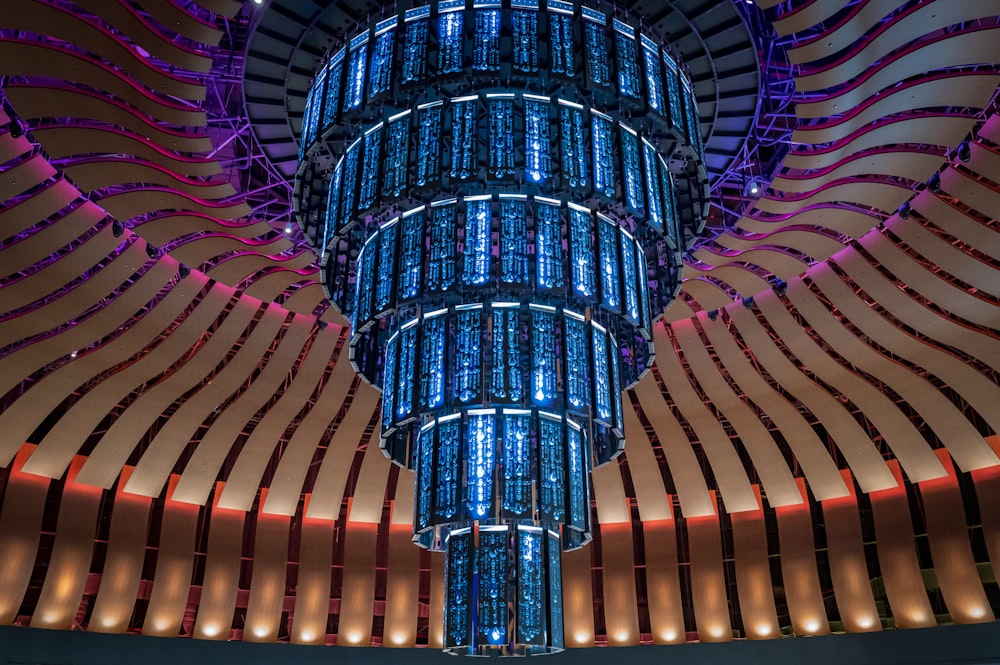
508, 189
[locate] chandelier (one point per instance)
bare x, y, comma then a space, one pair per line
501, 195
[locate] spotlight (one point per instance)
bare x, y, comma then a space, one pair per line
964, 151
321, 324
780, 286
904, 211
150, 251
183, 271
117, 229
713, 314
16, 130
748, 302
288, 227
934, 183
754, 188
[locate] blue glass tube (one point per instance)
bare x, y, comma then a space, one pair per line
627, 59
491, 581
412, 257
334, 88
653, 75
480, 453
389, 379
415, 45
631, 170
630, 279
486, 41
397, 156
525, 29
581, 252
513, 242
380, 76
369, 170
604, 153
595, 40
531, 591
537, 145
447, 468
441, 259
669, 205
544, 358
506, 382
425, 476
476, 258
616, 383
432, 362
552, 484
349, 183
579, 507
501, 161
602, 380
676, 116
407, 366
577, 363
652, 180
388, 239
450, 43
463, 138
364, 286
517, 464
429, 143
556, 637
610, 270
354, 91
458, 585
561, 45
333, 203
468, 354
572, 146
548, 246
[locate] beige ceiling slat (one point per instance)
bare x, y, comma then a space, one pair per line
328, 490
41, 400
644, 469
137, 202
249, 467
971, 270
978, 196
369, 497
66, 141
985, 348
225, 7
48, 61
685, 471
203, 468
852, 441
312, 594
843, 35
128, 22
768, 462
175, 19
402, 502
726, 465
223, 560
578, 598
987, 483
281, 278
402, 588
49, 239
68, 434
237, 268
24, 214
171, 226
952, 427
909, 164
804, 17
900, 434
197, 251
927, 283
851, 223
818, 467
161, 455
706, 293
116, 445
270, 570
24, 175
435, 624
357, 599
289, 477
663, 587
11, 148
868, 193
817, 245
958, 224
773, 260
307, 298
20, 532
754, 587
609, 493
708, 578
621, 618
104, 172
799, 574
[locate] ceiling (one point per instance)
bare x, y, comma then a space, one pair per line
184, 448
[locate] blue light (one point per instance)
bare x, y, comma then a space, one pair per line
486, 41
631, 170
577, 365
380, 77
387, 241
581, 248
552, 491
654, 77
369, 170
441, 260
397, 154
572, 146
463, 139
411, 260
627, 60
596, 45
348, 185
476, 263
579, 508
506, 382
548, 246
561, 45
425, 476
334, 88
333, 203
458, 585
407, 365
306, 137
513, 242
544, 365
693, 122
432, 367
480, 449
537, 163
673, 91
602, 386
491, 564
604, 154
530, 586
652, 179
450, 43
610, 274
525, 24
415, 45
389, 379
555, 591
468, 355
365, 290
447, 468
429, 144
647, 322
616, 384
517, 476
669, 205
355, 91
630, 279
501, 163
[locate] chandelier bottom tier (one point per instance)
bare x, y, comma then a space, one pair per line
502, 195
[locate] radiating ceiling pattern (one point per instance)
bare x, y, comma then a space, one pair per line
814, 451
